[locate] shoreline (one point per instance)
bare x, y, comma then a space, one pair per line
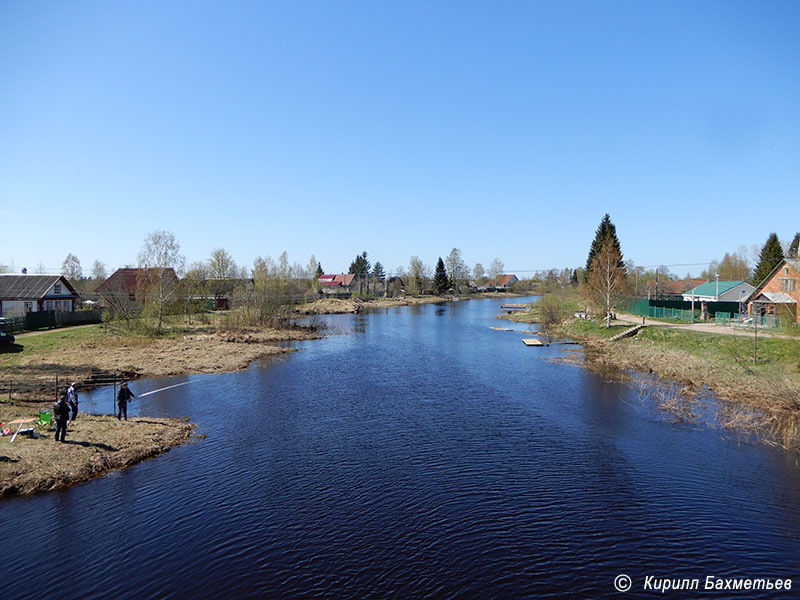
99, 444
764, 404
95, 446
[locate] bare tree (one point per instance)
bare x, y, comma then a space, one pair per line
99, 272
607, 281
457, 269
416, 275
161, 261
495, 268
71, 268
478, 273
221, 265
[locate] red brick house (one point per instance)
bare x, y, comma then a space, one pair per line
779, 293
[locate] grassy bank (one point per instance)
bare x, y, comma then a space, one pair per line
95, 445
761, 398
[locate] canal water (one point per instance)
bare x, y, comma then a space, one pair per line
414, 453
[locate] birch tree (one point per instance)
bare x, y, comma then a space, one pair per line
161, 260
607, 280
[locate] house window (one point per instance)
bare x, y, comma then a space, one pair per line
57, 288
787, 285
48, 305
28, 307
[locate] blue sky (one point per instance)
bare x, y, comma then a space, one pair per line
506, 129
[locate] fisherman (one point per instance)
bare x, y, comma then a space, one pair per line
123, 396
61, 414
72, 399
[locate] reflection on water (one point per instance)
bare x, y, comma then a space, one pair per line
419, 454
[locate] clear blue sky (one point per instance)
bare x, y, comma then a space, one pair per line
506, 129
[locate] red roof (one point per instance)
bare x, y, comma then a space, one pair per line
673, 287
334, 280
126, 279
504, 279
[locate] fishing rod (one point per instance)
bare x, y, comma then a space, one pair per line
169, 387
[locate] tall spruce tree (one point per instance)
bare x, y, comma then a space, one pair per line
794, 247
360, 268
605, 231
378, 271
440, 279
771, 255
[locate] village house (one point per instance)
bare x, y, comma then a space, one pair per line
503, 282
127, 288
719, 291
779, 293
220, 293
667, 289
341, 283
22, 294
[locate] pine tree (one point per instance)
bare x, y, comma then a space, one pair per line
771, 255
440, 280
794, 247
605, 231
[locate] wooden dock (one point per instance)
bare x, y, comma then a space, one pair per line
513, 307
533, 342
627, 333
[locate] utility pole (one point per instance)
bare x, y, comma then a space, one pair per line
755, 339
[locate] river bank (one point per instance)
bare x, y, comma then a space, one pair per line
95, 446
760, 399
332, 306
34, 371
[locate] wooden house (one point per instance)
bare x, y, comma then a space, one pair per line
337, 284
127, 288
22, 294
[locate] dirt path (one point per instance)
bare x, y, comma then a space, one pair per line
700, 327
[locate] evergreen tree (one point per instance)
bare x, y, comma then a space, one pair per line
440, 280
794, 247
378, 272
605, 231
771, 255
318, 271
360, 268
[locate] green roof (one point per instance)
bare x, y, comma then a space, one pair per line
709, 288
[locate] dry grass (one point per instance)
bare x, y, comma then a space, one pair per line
95, 445
763, 405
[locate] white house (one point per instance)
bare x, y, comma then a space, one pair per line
21, 294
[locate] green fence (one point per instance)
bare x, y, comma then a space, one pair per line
46, 319
746, 321
656, 309
679, 314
